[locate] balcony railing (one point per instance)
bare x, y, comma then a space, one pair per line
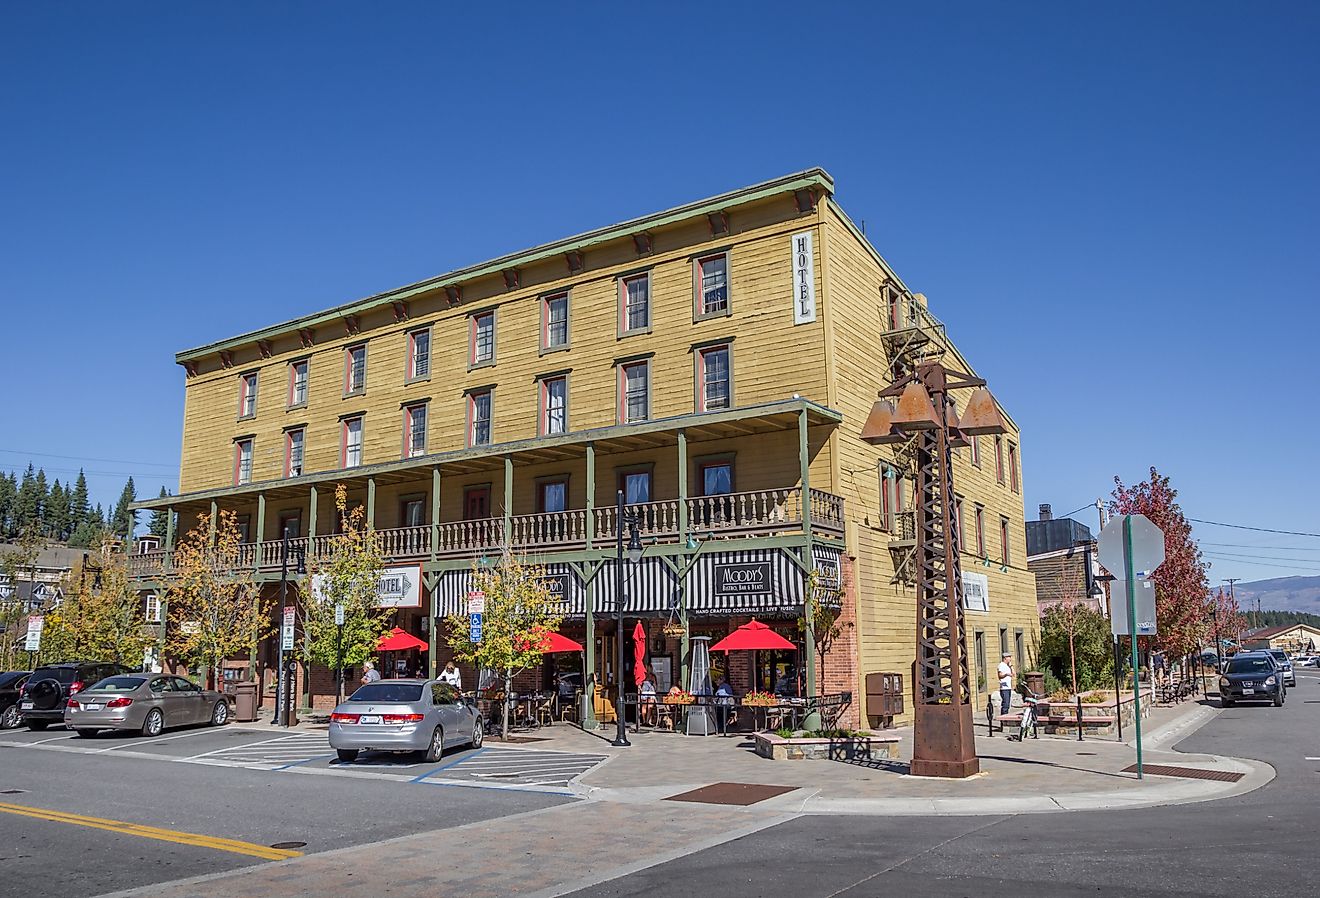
757, 512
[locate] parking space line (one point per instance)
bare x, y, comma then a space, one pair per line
447, 766
305, 761
149, 741
235, 747
234, 846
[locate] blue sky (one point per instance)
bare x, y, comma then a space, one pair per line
1114, 213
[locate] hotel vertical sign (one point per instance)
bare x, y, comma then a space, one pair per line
804, 279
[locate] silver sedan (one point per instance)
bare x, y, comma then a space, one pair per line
147, 703
404, 715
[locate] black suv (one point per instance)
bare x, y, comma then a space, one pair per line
48, 689
11, 682
1252, 676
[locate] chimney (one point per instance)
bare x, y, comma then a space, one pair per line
1046, 513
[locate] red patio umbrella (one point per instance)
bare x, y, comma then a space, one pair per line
639, 653
554, 642
754, 636
398, 641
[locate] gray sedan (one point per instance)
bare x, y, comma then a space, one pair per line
404, 715
147, 703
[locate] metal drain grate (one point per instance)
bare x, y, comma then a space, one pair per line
732, 793
1191, 773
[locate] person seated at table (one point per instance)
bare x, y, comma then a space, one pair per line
723, 702
646, 696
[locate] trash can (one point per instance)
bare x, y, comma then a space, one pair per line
245, 701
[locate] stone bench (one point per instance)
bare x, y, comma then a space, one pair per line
867, 747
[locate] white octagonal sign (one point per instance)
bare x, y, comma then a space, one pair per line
1147, 546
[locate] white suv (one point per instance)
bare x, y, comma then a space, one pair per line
1281, 658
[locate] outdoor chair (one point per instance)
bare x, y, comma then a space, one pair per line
545, 714
568, 710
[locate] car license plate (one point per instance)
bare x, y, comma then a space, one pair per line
1248, 691
369, 718
25, 706
91, 707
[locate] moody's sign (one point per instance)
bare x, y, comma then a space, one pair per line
742, 578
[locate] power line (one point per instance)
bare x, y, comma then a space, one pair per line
1246, 546
1257, 529
1270, 564
112, 461
1263, 557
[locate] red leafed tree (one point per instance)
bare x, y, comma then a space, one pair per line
1231, 621
1182, 593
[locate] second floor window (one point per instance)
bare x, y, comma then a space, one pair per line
555, 333
980, 532
419, 354
635, 389
713, 285
636, 486
999, 459
247, 395
153, 608
293, 452
1003, 540
297, 383
635, 299
479, 418
412, 512
1013, 468
713, 371
552, 496
414, 434
243, 461
554, 406
482, 349
976, 451
355, 369
351, 453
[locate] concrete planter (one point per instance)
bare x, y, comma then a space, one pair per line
1098, 718
871, 746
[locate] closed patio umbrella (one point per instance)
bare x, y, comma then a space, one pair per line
639, 653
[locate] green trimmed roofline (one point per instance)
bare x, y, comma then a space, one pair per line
816, 178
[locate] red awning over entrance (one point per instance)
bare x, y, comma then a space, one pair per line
398, 641
754, 636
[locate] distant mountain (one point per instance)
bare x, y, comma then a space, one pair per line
1281, 594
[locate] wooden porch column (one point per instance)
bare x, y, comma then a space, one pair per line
812, 720
210, 533
313, 500
591, 501
435, 529
261, 529
589, 655
508, 501
170, 516
684, 534
371, 503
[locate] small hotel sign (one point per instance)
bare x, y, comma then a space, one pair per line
804, 279
742, 578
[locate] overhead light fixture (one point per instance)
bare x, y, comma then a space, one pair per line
982, 414
915, 410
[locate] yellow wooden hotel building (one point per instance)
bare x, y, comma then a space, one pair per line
715, 362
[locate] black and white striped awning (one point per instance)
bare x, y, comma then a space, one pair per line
752, 580
451, 591
650, 586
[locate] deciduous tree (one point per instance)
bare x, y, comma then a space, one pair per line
348, 577
1182, 593
101, 617
215, 608
519, 612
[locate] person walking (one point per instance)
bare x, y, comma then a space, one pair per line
1006, 678
369, 673
723, 702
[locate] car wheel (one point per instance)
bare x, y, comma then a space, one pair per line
478, 733
220, 714
1225, 702
10, 719
436, 749
1278, 699
85, 733
38, 725
347, 754
154, 724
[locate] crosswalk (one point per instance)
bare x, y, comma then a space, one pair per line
516, 767
277, 753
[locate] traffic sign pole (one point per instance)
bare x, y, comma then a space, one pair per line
1131, 578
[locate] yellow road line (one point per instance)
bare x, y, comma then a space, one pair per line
233, 846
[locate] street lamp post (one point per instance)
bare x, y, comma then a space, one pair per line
634, 554
283, 700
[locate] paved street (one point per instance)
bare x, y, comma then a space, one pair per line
102, 815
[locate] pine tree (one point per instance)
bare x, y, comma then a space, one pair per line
160, 518
27, 505
57, 512
78, 506
43, 497
8, 499
125, 520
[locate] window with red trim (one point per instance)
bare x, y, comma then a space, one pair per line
481, 342
293, 452
419, 354
355, 368
552, 495
350, 448
1003, 540
414, 430
980, 532
479, 408
999, 459
247, 395
554, 321
958, 521
715, 379
634, 303
554, 406
634, 392
713, 285
1013, 467
888, 497
297, 383
243, 461
976, 451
